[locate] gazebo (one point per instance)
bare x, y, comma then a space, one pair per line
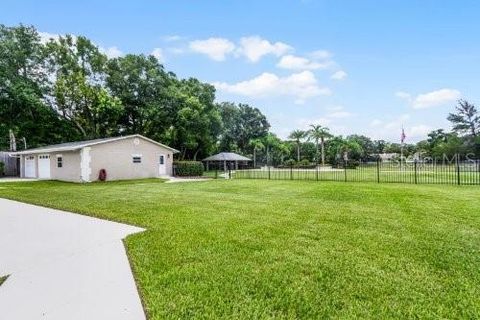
226, 158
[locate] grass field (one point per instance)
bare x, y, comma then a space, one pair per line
425, 174
289, 249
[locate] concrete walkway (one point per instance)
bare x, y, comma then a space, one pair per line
15, 179
64, 266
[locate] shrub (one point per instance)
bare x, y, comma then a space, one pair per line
304, 163
188, 168
289, 163
2, 168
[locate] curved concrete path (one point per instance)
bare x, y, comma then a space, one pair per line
64, 266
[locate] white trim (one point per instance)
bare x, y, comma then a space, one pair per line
85, 169
89, 144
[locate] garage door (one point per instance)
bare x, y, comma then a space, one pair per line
44, 166
30, 167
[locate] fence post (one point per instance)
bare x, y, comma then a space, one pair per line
345, 169
415, 166
378, 170
458, 168
268, 171
216, 173
316, 171
291, 172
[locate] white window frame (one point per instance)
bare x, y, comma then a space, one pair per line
59, 157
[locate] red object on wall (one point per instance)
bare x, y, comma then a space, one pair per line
102, 175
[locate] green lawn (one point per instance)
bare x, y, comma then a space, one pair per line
425, 174
290, 249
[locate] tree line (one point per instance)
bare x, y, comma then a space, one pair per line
66, 89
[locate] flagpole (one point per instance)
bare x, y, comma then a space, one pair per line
402, 143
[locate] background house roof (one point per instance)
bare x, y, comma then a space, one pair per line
71, 146
227, 156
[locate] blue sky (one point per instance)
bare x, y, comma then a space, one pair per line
364, 67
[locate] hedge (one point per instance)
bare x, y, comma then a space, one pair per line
188, 168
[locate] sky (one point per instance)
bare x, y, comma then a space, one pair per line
365, 67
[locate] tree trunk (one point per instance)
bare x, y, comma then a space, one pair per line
323, 151
254, 158
298, 152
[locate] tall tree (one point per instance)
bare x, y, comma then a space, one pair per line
319, 134
242, 123
466, 120
23, 85
78, 94
297, 136
256, 145
145, 90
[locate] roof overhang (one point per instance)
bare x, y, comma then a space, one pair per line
79, 147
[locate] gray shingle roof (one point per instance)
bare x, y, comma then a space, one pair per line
227, 156
71, 146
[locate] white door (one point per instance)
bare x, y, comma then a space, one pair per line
30, 171
162, 167
44, 166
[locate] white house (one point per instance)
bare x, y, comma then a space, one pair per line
127, 157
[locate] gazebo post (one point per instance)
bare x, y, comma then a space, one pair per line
225, 166
207, 166
236, 165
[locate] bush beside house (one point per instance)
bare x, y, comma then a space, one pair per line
188, 168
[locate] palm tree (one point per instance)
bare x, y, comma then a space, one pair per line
256, 144
298, 136
270, 141
319, 133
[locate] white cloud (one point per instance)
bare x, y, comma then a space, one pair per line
172, 38
418, 131
158, 53
46, 37
299, 63
376, 123
321, 54
435, 98
111, 52
254, 48
397, 123
301, 86
339, 75
340, 114
430, 99
216, 48
403, 95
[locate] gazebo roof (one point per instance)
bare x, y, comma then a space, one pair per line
227, 156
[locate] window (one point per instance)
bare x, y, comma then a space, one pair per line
162, 159
59, 161
137, 158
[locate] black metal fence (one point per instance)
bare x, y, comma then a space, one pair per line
454, 172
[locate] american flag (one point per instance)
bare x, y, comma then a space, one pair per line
403, 136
